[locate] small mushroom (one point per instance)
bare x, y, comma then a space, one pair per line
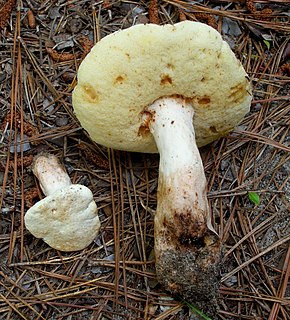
67, 218
172, 89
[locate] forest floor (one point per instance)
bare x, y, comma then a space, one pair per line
42, 45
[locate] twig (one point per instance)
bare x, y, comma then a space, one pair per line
153, 12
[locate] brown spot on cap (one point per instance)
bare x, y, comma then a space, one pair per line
143, 131
170, 66
204, 100
144, 128
165, 79
90, 92
237, 92
120, 79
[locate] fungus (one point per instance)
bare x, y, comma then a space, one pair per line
67, 218
183, 88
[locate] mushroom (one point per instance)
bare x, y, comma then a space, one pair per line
67, 218
168, 89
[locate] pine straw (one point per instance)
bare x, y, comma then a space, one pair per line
114, 277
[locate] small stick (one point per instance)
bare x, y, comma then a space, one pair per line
153, 12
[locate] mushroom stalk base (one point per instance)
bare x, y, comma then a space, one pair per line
187, 249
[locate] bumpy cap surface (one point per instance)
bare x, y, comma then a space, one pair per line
66, 220
130, 69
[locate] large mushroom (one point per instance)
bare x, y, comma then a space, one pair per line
168, 89
67, 218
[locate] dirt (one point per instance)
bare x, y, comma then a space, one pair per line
42, 45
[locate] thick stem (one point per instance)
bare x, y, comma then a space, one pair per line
50, 173
186, 244
182, 200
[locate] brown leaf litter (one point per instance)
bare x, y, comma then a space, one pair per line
114, 277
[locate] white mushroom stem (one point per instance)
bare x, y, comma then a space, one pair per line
182, 200
50, 173
187, 249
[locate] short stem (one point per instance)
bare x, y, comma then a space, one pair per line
182, 200
50, 173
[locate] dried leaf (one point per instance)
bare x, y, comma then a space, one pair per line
63, 56
231, 27
286, 53
63, 41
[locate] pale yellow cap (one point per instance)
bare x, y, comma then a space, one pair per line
129, 69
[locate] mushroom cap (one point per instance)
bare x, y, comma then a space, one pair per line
66, 220
128, 70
